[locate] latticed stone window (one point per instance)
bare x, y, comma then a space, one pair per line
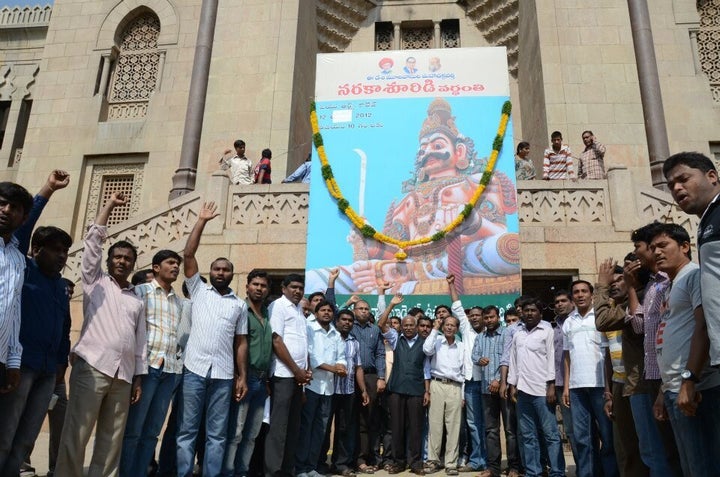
450, 33
136, 69
105, 180
708, 42
417, 38
384, 36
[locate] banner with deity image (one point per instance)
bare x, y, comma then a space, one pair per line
408, 136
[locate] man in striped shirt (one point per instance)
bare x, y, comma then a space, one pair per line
15, 205
162, 317
215, 356
558, 163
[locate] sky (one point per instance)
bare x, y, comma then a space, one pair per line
24, 3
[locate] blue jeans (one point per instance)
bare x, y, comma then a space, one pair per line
697, 437
244, 424
586, 407
23, 412
536, 420
652, 449
145, 421
213, 396
476, 423
313, 422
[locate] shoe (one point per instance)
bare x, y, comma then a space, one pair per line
451, 471
487, 473
26, 470
432, 466
467, 468
418, 471
395, 469
368, 469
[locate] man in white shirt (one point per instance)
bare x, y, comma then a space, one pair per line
241, 168
215, 356
531, 376
447, 379
290, 372
585, 384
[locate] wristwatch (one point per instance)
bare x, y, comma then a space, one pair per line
689, 375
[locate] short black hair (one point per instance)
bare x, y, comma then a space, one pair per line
323, 303
223, 259
587, 131
163, 255
140, 277
266, 153
693, 160
522, 145
675, 232
577, 282
440, 307
562, 292
645, 233
415, 311
490, 308
512, 311
533, 301
255, 273
47, 235
293, 277
346, 312
239, 143
314, 294
518, 303
123, 244
17, 194
556, 134
422, 318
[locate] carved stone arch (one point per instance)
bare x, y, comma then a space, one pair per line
126, 10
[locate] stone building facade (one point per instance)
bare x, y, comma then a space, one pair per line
100, 88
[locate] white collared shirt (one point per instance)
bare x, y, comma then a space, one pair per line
532, 359
472, 371
447, 361
586, 347
288, 321
216, 320
324, 347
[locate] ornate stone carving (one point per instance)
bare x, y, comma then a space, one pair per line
384, 36
561, 206
708, 43
25, 16
269, 209
126, 178
164, 229
17, 80
450, 35
656, 205
497, 20
136, 69
418, 38
338, 21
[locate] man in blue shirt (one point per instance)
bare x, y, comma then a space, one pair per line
44, 332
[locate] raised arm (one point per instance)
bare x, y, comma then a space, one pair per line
208, 211
383, 321
57, 180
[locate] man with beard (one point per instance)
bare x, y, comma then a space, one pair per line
162, 317
44, 331
108, 359
246, 416
215, 356
409, 389
625, 352
290, 373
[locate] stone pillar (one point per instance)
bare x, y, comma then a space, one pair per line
650, 93
184, 178
396, 35
437, 34
622, 197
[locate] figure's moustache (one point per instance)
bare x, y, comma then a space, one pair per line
443, 156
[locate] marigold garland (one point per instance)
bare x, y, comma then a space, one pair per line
367, 230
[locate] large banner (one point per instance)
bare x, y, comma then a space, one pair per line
408, 136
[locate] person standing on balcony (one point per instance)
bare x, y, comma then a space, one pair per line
558, 163
108, 359
524, 168
263, 169
241, 168
301, 174
592, 159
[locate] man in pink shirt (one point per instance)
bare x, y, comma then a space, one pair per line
108, 358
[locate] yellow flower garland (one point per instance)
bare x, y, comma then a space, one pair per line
366, 229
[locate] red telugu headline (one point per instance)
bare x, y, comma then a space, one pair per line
428, 86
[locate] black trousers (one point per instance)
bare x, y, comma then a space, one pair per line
284, 432
407, 417
371, 425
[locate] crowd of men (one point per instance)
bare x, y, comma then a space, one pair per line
631, 361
